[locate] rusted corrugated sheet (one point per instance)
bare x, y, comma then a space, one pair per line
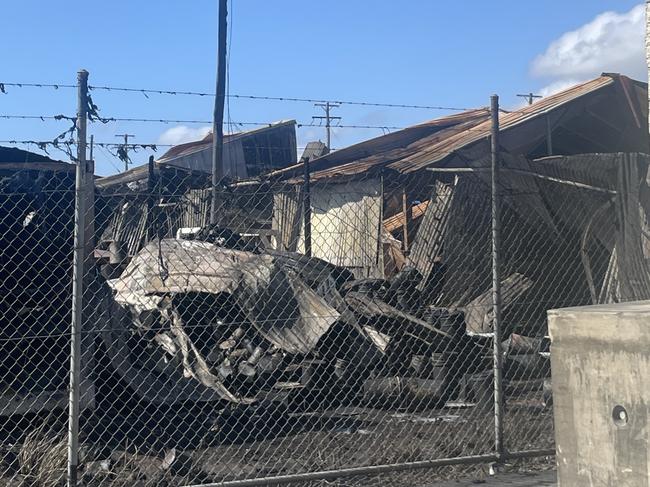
413, 149
365, 155
196, 208
428, 243
132, 219
438, 151
128, 226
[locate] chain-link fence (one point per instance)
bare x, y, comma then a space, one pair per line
332, 333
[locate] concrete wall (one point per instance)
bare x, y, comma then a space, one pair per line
600, 357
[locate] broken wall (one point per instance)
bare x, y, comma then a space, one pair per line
571, 234
345, 223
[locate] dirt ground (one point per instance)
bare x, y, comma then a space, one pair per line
174, 447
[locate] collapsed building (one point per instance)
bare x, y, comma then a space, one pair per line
562, 160
400, 225
245, 154
368, 270
178, 186
36, 241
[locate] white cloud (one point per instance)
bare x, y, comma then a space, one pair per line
182, 134
559, 85
611, 42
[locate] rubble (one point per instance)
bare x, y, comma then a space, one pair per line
229, 324
230, 318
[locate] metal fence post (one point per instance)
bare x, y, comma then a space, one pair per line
496, 281
79, 258
151, 201
306, 207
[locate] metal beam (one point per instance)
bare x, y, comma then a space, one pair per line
522, 172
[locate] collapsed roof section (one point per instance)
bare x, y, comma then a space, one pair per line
13, 159
313, 150
245, 154
606, 114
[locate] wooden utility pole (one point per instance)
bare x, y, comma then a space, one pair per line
530, 97
217, 121
126, 149
327, 106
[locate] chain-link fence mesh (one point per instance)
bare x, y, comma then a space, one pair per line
287, 339
35, 312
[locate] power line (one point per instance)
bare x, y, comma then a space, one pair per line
382, 127
109, 159
147, 91
41, 117
349, 102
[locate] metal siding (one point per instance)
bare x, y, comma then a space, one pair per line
428, 241
286, 218
345, 225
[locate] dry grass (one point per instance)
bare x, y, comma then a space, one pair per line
43, 457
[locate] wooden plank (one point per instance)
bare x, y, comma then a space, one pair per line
375, 308
394, 222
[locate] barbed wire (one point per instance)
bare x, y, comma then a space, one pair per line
143, 145
169, 120
56, 86
147, 91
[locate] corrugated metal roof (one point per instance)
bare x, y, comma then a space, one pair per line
388, 148
439, 151
421, 149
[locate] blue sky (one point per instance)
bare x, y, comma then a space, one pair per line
429, 52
